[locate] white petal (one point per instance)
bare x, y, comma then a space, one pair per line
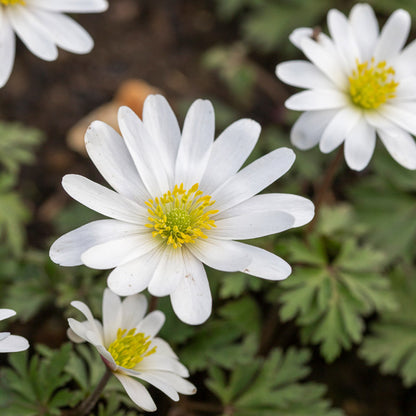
103, 200
359, 145
134, 277
6, 313
308, 128
14, 343
298, 207
120, 251
133, 310
317, 100
31, 32
162, 125
401, 114
71, 6
195, 146
111, 316
404, 62
73, 336
338, 128
253, 178
151, 324
181, 386
163, 347
109, 153
364, 25
67, 250
137, 392
298, 34
162, 362
303, 74
401, 145
85, 331
229, 152
192, 301
393, 36
7, 48
263, 264
159, 383
252, 225
406, 89
168, 272
144, 152
85, 310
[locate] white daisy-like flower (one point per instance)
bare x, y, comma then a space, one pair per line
42, 26
360, 84
127, 343
179, 201
11, 343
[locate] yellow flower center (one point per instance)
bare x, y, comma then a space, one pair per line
180, 216
128, 349
11, 2
372, 85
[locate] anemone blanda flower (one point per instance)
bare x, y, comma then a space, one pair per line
361, 84
11, 343
179, 201
42, 27
127, 343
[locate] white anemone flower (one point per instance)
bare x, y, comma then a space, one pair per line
11, 343
179, 202
360, 84
42, 26
127, 343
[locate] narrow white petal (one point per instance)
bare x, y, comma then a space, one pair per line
162, 362
73, 336
338, 128
192, 301
144, 152
150, 325
406, 90
168, 272
229, 152
364, 25
111, 316
6, 313
14, 343
393, 36
303, 74
401, 114
67, 250
162, 125
85, 310
298, 34
159, 383
71, 6
108, 151
137, 392
104, 200
404, 62
77, 331
317, 100
359, 145
195, 146
181, 386
401, 146
300, 208
253, 178
308, 128
7, 48
252, 225
31, 32
133, 310
163, 347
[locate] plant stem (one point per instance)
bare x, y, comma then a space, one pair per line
325, 186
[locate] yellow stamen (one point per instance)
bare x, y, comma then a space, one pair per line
11, 2
128, 349
180, 216
371, 85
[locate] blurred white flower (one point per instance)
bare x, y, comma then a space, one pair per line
42, 26
11, 343
179, 202
360, 84
127, 343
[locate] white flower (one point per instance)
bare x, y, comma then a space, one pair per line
179, 202
360, 84
127, 342
42, 27
11, 343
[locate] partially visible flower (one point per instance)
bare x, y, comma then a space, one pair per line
360, 84
127, 343
180, 200
11, 343
42, 26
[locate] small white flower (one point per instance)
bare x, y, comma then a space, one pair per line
11, 343
180, 201
42, 26
360, 84
127, 342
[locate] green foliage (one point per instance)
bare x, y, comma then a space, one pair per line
336, 283
392, 342
270, 386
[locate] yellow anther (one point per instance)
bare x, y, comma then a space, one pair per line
11, 2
